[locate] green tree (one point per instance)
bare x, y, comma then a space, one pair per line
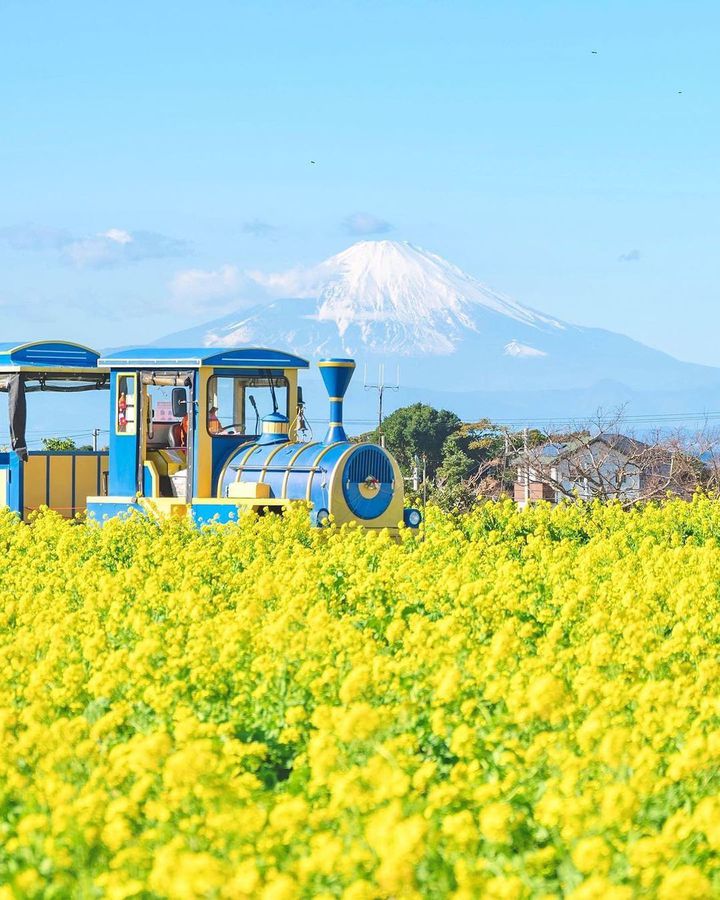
457, 462
54, 444
416, 430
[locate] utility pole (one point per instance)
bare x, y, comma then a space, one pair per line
381, 387
95, 436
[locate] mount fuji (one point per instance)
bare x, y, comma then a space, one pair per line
457, 342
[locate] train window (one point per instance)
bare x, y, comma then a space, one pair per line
237, 403
125, 405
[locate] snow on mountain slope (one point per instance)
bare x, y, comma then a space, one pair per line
515, 348
376, 282
385, 301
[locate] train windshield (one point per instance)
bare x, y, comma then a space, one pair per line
237, 403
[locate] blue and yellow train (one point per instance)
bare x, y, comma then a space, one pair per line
207, 433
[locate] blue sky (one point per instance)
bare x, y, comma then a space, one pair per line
143, 141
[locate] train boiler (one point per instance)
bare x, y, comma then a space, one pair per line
347, 481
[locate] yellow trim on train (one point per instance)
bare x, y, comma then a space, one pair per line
275, 427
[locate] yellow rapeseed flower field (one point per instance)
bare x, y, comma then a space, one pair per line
524, 704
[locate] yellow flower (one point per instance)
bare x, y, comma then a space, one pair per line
686, 883
495, 822
460, 827
504, 887
598, 888
282, 887
591, 855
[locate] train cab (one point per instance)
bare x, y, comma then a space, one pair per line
178, 416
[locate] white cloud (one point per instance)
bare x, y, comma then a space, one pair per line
214, 291
200, 284
116, 247
112, 247
118, 235
298, 282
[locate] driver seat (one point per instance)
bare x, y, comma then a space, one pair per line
175, 435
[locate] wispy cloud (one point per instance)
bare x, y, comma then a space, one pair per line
116, 247
299, 282
362, 223
259, 229
630, 256
214, 290
113, 247
34, 237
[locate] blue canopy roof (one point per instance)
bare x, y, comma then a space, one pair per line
46, 355
194, 357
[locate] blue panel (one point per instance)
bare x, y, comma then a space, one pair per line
147, 482
123, 450
102, 510
16, 491
299, 475
13, 466
194, 357
275, 477
222, 450
47, 354
214, 513
320, 480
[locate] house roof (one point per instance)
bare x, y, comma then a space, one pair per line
612, 440
46, 355
194, 357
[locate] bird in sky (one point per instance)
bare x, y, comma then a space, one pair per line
312, 162
594, 51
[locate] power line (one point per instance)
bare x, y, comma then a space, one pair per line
381, 387
640, 418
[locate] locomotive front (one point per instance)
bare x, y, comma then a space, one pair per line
351, 482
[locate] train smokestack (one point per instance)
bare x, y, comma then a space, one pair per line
336, 375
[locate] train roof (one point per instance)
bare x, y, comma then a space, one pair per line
46, 355
194, 357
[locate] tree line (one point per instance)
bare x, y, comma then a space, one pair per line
465, 462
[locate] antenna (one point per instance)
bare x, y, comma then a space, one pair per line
380, 386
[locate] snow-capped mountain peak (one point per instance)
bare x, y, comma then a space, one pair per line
391, 281
389, 301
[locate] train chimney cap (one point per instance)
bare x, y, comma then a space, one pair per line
336, 374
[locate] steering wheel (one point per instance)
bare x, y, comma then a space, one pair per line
240, 426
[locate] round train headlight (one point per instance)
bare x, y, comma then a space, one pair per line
413, 518
321, 517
